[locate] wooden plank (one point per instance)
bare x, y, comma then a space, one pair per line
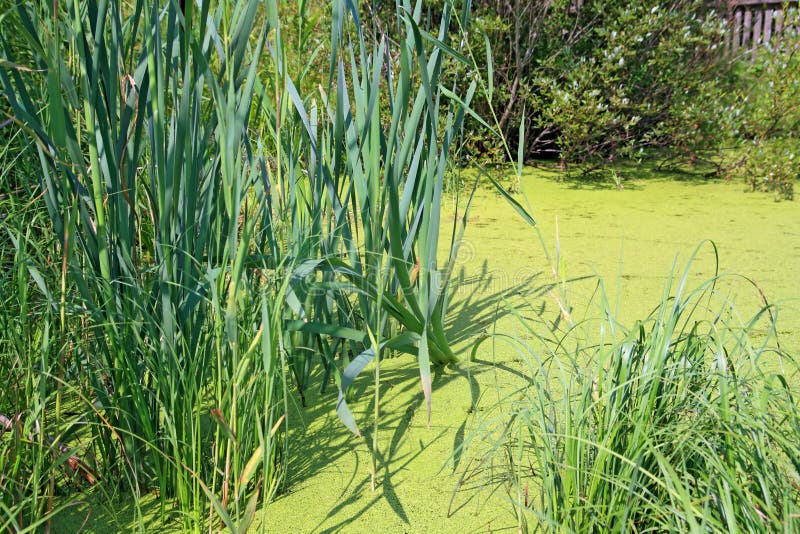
727, 42
757, 25
756, 30
747, 29
777, 3
737, 29
768, 25
755, 22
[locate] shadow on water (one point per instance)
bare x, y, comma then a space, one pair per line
620, 173
96, 511
324, 445
481, 300
477, 300
322, 440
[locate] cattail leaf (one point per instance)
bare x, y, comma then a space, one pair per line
521, 143
452, 96
57, 119
511, 200
250, 469
219, 418
341, 332
449, 50
215, 502
249, 513
425, 373
489, 67
348, 376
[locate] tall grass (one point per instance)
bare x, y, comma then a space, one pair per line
156, 193
28, 462
686, 422
202, 262
33, 459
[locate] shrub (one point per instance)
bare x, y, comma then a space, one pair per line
623, 77
592, 81
772, 166
768, 87
766, 101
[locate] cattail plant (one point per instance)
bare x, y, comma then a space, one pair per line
205, 261
156, 193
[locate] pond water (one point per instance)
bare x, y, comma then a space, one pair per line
631, 238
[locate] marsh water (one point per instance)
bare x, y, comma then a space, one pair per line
633, 239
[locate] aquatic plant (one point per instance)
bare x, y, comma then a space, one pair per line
204, 262
687, 421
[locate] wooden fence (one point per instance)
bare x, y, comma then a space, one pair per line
753, 23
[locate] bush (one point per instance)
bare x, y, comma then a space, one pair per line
768, 88
766, 101
593, 81
631, 76
772, 166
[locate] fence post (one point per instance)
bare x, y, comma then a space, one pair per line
752, 23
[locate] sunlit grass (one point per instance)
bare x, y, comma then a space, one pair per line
203, 267
680, 422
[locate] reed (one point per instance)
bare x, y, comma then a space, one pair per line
155, 193
220, 235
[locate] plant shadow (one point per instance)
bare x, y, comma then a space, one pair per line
325, 440
481, 300
632, 175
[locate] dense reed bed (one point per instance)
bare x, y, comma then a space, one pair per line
211, 236
190, 244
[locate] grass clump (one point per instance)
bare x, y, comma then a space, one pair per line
685, 422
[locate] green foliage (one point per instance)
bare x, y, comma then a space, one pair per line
602, 81
687, 422
599, 80
766, 101
768, 92
616, 78
772, 166
29, 354
17, 157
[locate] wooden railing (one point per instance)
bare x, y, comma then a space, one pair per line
754, 23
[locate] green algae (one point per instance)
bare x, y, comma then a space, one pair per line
631, 238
